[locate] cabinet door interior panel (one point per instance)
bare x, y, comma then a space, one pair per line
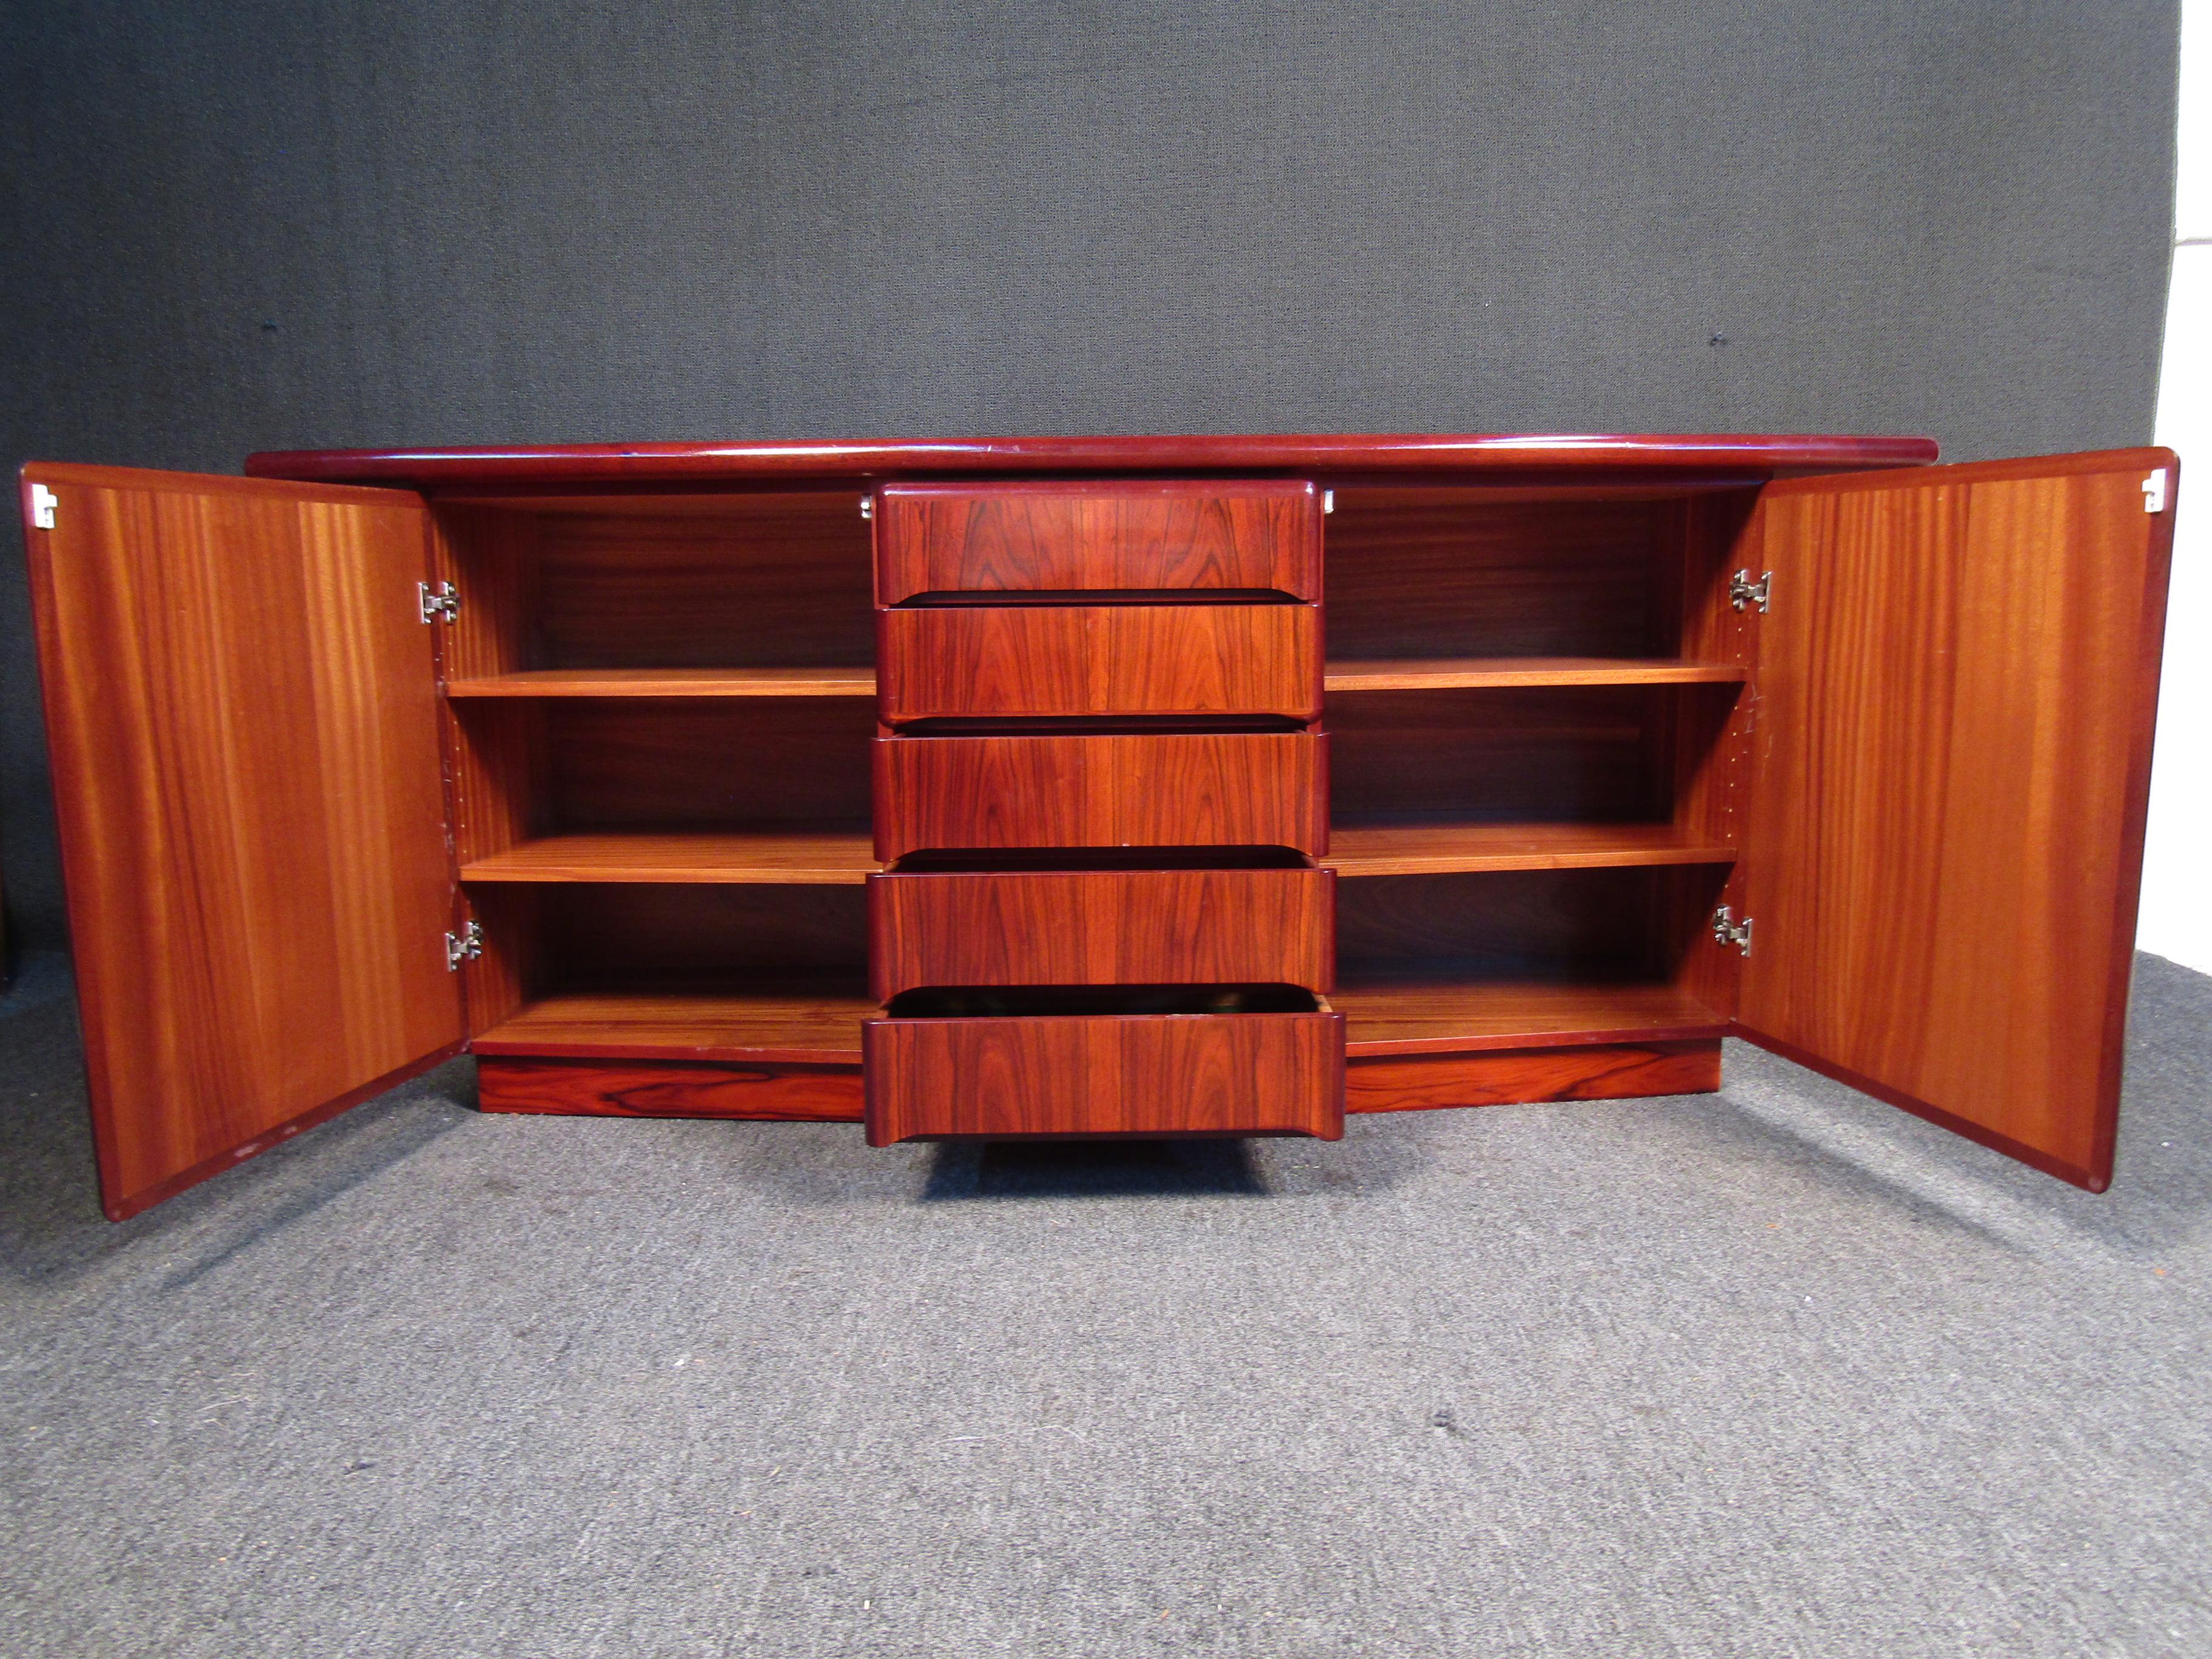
1081, 659
242, 711
1046, 536
1102, 927
1957, 680
1105, 1074
1179, 789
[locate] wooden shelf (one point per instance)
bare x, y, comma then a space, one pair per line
791, 1020
671, 683
1424, 847
1418, 1008
1452, 673
788, 858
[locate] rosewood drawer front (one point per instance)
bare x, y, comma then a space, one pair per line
1102, 1074
1053, 659
1169, 789
1102, 927
1256, 536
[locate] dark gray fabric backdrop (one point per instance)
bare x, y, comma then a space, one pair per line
309, 222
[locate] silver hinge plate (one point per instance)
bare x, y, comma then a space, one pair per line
2153, 489
1327, 502
1743, 592
1726, 930
867, 506
463, 947
43, 502
440, 604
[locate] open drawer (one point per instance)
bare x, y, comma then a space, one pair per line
1097, 790
1270, 924
1215, 1061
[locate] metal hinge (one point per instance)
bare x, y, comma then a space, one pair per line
42, 507
1743, 591
867, 506
1327, 502
2153, 489
440, 604
463, 947
1726, 930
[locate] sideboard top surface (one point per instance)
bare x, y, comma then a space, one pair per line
1399, 454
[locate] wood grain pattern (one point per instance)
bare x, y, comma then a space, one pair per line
1590, 457
710, 762
658, 683
242, 714
1078, 660
784, 1094
1450, 673
943, 539
1222, 1074
1431, 1010
1183, 789
1413, 1083
1102, 927
1416, 848
688, 857
1958, 683
792, 1018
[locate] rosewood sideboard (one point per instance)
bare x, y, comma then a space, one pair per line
1101, 786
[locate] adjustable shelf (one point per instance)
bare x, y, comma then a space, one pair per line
800, 1021
1428, 848
777, 857
1405, 1008
1455, 673
835, 682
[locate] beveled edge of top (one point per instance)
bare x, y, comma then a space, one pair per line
556, 465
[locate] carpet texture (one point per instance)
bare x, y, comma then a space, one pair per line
1779, 1371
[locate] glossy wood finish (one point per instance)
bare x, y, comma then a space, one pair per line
1414, 848
642, 855
1466, 673
1418, 1011
1423, 1082
658, 683
790, 1018
1222, 1074
1590, 457
954, 538
1181, 789
1082, 659
1102, 927
802, 1094
1959, 684
242, 717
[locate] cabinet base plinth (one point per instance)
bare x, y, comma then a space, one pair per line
790, 1093
1494, 1077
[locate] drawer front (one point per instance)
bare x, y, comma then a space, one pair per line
1104, 1074
1180, 789
1099, 660
1102, 927
1000, 538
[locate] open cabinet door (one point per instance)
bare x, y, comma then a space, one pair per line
1957, 681
241, 708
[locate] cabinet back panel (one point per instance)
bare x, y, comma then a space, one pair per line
608, 934
1543, 754
1461, 573
1628, 924
776, 580
793, 761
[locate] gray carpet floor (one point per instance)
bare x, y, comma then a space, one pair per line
1778, 1371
